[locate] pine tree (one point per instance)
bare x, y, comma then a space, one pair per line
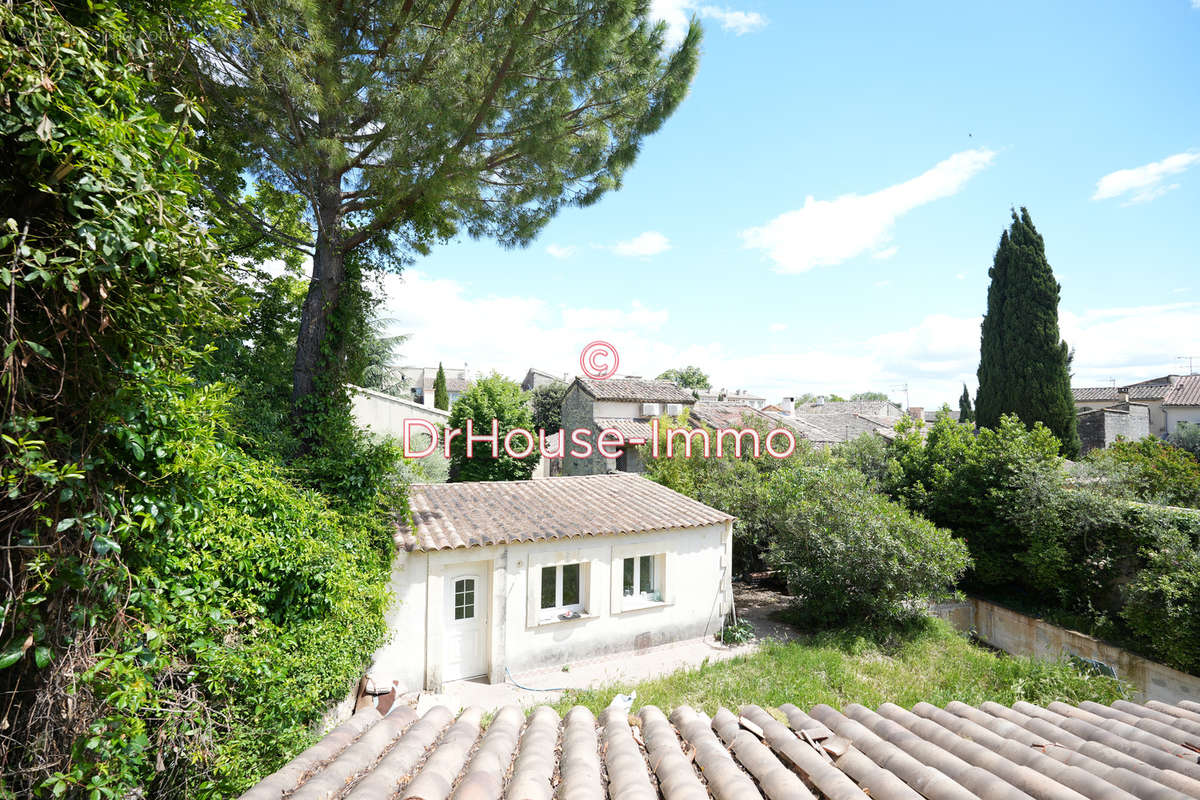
402, 124
965, 412
1023, 363
441, 397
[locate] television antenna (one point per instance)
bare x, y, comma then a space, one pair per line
903, 387
1188, 359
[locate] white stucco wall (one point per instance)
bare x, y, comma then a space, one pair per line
385, 414
696, 589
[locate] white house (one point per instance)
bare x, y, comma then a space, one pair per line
525, 574
1182, 403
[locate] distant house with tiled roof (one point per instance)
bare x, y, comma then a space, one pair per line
536, 378
870, 408
523, 574
1150, 393
419, 381
624, 404
1182, 403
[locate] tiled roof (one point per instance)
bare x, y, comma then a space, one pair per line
1185, 392
637, 428
1125, 751
876, 408
727, 414
841, 427
1138, 391
635, 390
452, 515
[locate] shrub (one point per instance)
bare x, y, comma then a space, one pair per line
848, 552
1149, 470
491, 398
971, 482
1187, 437
1162, 604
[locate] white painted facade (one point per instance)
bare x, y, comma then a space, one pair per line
435, 639
385, 415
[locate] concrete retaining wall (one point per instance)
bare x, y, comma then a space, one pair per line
1022, 635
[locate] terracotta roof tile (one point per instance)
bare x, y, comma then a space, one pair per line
1185, 392
1124, 751
635, 390
452, 515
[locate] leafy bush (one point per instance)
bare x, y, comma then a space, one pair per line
1187, 437
1162, 604
491, 398
971, 483
869, 454
848, 552
251, 605
1149, 470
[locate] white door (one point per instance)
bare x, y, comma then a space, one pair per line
466, 629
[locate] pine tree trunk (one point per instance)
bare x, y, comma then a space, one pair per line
324, 288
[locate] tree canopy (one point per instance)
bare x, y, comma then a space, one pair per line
491, 398
689, 377
401, 123
1023, 362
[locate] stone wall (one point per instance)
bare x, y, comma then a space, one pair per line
1100, 428
1022, 635
578, 414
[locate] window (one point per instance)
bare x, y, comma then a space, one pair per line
562, 589
464, 598
641, 578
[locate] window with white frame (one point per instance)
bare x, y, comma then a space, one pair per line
562, 590
641, 579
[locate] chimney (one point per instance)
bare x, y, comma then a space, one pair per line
1123, 394
820, 401
916, 412
788, 406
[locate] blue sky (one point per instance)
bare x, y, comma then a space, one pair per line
821, 212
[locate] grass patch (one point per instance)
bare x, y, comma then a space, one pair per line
923, 660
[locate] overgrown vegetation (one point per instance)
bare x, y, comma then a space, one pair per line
177, 610
922, 660
1081, 548
846, 551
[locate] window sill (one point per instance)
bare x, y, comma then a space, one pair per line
547, 621
642, 605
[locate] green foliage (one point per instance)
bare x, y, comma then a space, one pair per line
922, 660
491, 398
689, 377
736, 633
965, 412
848, 552
1149, 470
441, 398
1187, 437
547, 403
868, 454
970, 483
1162, 604
1023, 364
403, 123
869, 396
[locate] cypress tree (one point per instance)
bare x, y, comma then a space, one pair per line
965, 412
1023, 363
441, 397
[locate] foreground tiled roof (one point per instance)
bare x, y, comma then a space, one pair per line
1185, 392
1121, 752
636, 390
450, 515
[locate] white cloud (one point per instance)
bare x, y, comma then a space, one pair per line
1145, 183
650, 243
559, 251
883, 255
934, 356
678, 14
962, 276
740, 22
1196, 4
827, 232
